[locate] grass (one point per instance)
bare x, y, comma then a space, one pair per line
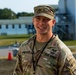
70, 42
7, 40
18, 36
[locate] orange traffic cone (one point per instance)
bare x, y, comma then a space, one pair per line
9, 56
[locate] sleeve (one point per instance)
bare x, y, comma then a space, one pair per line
18, 67
67, 65
66, 60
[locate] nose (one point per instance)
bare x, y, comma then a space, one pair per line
41, 22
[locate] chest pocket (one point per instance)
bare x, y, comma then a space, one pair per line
52, 56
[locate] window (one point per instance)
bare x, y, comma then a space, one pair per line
13, 26
0, 26
25, 25
19, 25
6, 26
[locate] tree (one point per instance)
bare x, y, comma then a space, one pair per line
24, 14
7, 14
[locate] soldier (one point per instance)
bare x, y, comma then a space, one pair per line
44, 53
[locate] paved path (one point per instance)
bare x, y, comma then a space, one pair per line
74, 47
4, 51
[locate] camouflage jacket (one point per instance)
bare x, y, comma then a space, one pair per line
56, 59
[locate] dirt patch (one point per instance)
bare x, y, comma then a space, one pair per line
7, 66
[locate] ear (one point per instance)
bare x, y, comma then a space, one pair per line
54, 21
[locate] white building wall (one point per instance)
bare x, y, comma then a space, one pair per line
71, 11
23, 21
69, 7
16, 30
61, 6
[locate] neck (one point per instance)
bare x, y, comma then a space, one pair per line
43, 38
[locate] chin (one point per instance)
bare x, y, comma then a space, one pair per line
43, 33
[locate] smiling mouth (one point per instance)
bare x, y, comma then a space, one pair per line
42, 28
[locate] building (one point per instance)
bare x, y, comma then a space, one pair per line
23, 25
66, 19
65, 22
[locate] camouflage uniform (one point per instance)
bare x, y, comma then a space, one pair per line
56, 59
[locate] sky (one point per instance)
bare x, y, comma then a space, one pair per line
24, 5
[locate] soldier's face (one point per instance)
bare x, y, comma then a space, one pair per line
43, 25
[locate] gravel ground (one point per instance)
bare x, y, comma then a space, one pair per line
7, 66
